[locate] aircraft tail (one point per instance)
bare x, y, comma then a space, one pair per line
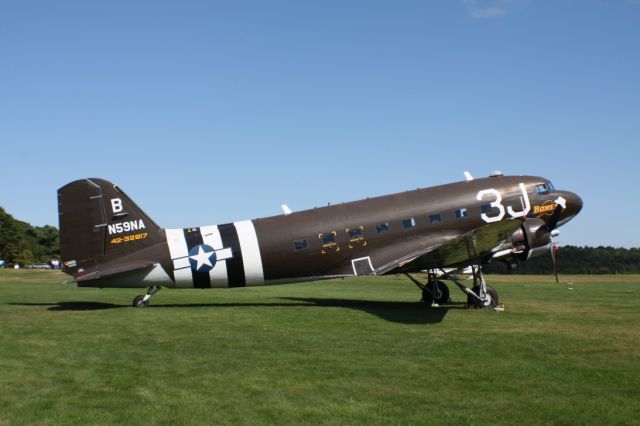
103, 232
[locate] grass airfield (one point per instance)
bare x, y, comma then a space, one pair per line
362, 350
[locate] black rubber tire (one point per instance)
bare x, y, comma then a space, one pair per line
475, 303
427, 294
138, 301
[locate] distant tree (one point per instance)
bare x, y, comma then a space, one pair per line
579, 260
22, 243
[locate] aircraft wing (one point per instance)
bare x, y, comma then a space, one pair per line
447, 250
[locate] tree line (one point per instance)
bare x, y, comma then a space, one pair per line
579, 260
23, 243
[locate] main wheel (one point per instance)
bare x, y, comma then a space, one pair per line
431, 294
139, 302
491, 302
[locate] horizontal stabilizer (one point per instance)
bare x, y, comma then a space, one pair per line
106, 273
145, 276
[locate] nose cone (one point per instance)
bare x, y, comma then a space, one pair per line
573, 205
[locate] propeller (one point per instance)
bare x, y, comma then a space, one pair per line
554, 259
551, 227
555, 218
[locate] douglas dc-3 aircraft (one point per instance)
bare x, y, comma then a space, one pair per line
106, 240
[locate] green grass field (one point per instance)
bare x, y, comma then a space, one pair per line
352, 351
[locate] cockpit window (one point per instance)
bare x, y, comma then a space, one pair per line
551, 187
542, 189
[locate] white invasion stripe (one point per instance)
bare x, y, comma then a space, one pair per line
184, 277
179, 252
218, 275
177, 243
250, 252
211, 236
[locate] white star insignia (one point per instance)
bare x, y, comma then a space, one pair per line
202, 258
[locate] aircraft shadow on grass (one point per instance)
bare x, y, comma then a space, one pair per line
400, 312
73, 306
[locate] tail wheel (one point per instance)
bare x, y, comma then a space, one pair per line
435, 294
491, 301
138, 301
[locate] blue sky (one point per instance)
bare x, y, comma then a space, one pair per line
207, 112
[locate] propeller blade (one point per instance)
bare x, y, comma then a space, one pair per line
555, 218
554, 259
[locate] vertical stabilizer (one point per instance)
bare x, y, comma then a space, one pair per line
102, 231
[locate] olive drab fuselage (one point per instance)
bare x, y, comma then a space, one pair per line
108, 241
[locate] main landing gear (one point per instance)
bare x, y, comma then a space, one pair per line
435, 292
141, 301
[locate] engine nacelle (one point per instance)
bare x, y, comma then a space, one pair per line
532, 239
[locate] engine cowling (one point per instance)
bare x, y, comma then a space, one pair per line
532, 239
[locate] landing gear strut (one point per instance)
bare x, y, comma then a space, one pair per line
484, 296
434, 292
481, 296
141, 301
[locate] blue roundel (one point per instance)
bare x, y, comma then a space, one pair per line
202, 258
